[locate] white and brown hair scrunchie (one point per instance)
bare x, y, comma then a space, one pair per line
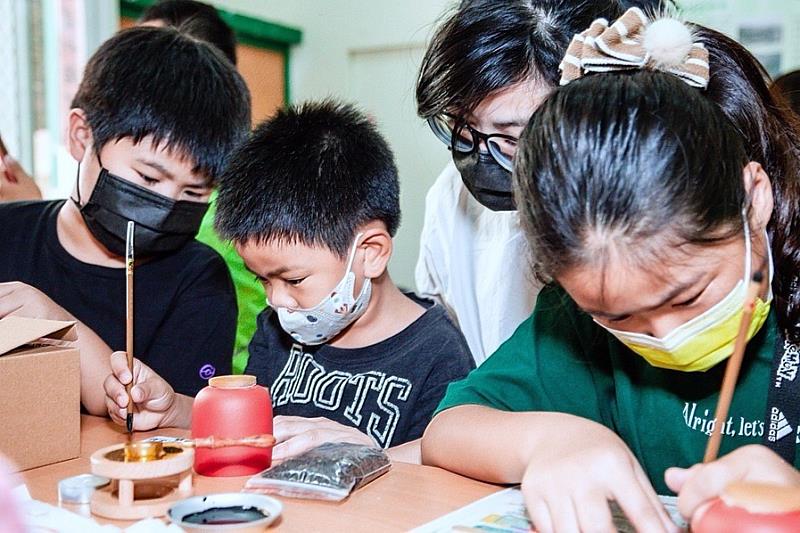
636, 42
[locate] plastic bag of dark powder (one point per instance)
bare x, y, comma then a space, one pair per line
328, 472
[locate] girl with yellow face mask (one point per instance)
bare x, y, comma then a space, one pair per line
650, 198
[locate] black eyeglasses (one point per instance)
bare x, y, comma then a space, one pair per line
462, 137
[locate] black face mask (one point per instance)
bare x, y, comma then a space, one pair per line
485, 179
163, 225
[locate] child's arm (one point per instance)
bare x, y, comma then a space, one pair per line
157, 404
703, 482
569, 467
21, 299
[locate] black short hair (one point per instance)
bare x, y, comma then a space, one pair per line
311, 174
197, 19
484, 46
158, 82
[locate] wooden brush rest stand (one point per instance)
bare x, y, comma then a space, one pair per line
141, 487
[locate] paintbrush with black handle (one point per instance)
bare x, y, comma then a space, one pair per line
129, 319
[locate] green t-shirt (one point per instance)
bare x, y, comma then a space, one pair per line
249, 291
560, 360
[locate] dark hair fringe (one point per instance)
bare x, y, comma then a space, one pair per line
487, 45
160, 83
311, 174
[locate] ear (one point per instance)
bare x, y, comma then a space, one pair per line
378, 247
79, 134
758, 187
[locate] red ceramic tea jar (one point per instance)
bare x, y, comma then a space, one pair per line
232, 407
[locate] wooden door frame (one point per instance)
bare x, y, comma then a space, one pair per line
250, 31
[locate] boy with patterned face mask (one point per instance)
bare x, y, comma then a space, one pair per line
341, 343
152, 123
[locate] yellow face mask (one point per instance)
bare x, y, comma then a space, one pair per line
707, 339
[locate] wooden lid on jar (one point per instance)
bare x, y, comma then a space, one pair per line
232, 382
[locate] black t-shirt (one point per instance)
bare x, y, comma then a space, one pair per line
388, 390
184, 302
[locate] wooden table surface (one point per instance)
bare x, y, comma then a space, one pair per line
406, 497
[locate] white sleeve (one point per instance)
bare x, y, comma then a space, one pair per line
431, 265
426, 273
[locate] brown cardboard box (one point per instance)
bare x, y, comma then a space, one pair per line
40, 395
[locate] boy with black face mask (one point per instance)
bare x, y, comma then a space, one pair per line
151, 126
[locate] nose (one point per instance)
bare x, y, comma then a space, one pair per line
278, 297
661, 327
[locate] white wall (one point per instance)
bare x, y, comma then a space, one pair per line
334, 28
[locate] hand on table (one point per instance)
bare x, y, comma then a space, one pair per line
297, 434
154, 398
567, 487
15, 183
704, 482
20, 299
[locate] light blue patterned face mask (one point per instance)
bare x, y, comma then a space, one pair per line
327, 319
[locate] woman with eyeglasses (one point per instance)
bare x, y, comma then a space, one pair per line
489, 65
